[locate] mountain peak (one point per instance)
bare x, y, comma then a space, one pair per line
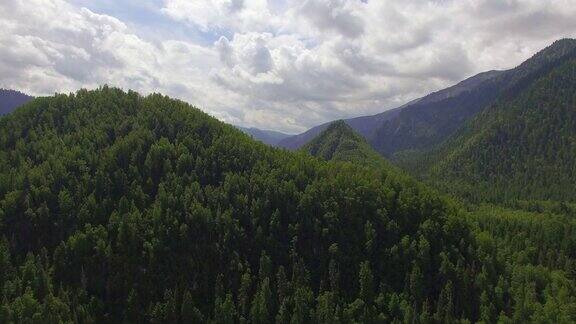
340, 142
563, 42
521, 147
561, 48
340, 126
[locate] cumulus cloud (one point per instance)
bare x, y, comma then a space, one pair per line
337, 15
281, 64
62, 48
222, 14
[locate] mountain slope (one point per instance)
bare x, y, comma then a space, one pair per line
364, 125
120, 208
433, 118
523, 147
339, 142
265, 136
375, 128
11, 99
424, 123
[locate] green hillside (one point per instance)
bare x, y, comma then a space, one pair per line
339, 142
522, 147
121, 208
526, 249
117, 207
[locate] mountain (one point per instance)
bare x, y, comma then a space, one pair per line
265, 136
425, 123
116, 207
339, 142
11, 99
364, 125
434, 118
523, 146
373, 127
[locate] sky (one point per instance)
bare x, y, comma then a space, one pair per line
285, 65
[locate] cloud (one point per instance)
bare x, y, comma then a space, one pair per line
221, 14
62, 48
337, 15
225, 50
280, 64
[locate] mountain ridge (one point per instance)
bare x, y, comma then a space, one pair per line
519, 148
12, 99
266, 136
428, 121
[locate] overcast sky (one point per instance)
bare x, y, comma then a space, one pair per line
285, 65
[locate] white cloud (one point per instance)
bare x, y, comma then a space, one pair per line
280, 64
241, 15
63, 48
337, 15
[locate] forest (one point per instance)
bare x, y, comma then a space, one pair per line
117, 207
521, 148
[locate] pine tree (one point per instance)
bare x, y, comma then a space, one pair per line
303, 300
366, 281
326, 308
261, 304
444, 310
188, 312
245, 292
225, 312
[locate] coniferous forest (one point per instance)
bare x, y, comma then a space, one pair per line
117, 207
121, 208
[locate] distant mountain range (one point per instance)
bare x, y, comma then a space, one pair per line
428, 121
11, 99
266, 136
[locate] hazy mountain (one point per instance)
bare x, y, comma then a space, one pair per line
373, 126
364, 125
433, 119
266, 136
424, 123
11, 99
522, 147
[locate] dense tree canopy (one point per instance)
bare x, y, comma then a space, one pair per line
117, 207
122, 207
526, 249
339, 142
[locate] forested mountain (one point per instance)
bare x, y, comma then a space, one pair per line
364, 125
121, 208
373, 127
11, 99
339, 142
522, 147
265, 136
116, 207
424, 123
